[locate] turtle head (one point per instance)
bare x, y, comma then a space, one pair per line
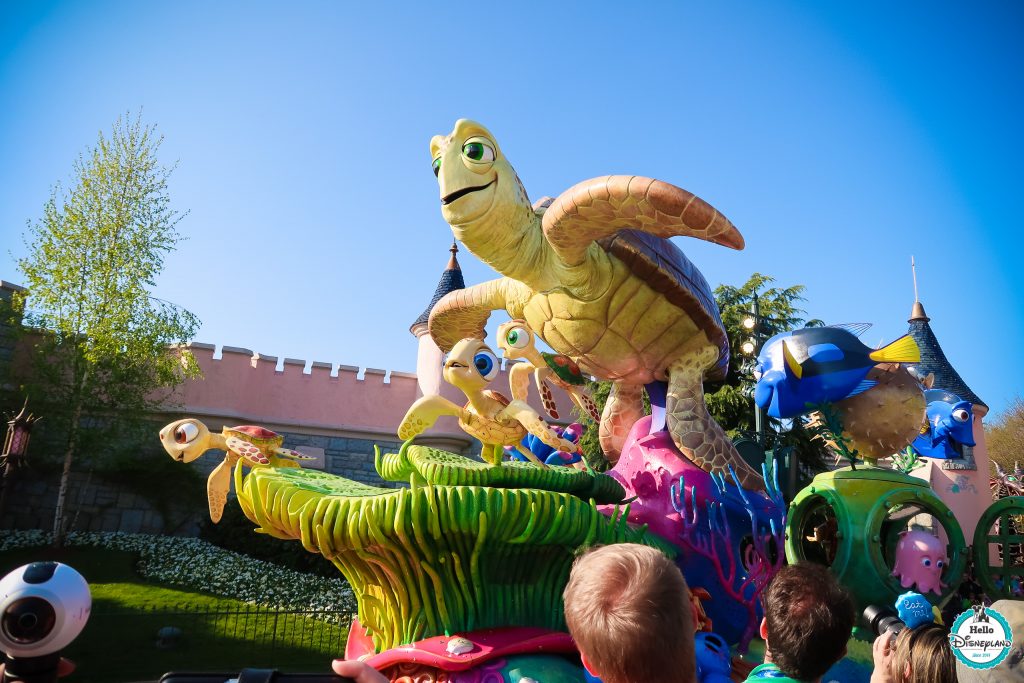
185, 440
514, 338
470, 366
479, 188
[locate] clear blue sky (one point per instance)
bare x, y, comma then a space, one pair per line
840, 140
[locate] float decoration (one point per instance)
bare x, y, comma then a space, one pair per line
188, 439
431, 559
948, 426
826, 425
711, 536
920, 559
1007, 483
594, 275
549, 455
516, 341
487, 416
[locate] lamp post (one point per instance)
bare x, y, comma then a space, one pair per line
15, 453
751, 347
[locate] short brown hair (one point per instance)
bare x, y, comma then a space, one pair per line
628, 608
810, 618
927, 650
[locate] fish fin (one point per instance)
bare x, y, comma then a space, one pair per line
856, 329
791, 362
903, 350
862, 387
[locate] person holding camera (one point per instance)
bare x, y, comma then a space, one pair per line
916, 655
808, 619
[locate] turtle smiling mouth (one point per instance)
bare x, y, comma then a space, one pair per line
448, 199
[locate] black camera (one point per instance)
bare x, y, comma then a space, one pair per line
882, 619
43, 607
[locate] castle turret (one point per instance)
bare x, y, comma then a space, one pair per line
962, 483
428, 356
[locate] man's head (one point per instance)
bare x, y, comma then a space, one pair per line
628, 608
808, 618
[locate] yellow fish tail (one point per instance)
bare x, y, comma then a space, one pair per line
903, 350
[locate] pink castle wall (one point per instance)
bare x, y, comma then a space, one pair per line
248, 387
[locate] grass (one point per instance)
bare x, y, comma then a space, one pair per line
119, 644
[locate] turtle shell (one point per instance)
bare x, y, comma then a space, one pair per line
666, 270
255, 432
565, 368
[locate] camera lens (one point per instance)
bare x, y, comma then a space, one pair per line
881, 619
28, 620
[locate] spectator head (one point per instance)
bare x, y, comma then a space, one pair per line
808, 619
922, 655
628, 609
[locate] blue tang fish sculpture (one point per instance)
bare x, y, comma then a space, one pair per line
803, 368
948, 428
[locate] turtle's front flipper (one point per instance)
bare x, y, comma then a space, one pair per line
464, 312
693, 430
292, 454
245, 449
624, 407
519, 380
540, 377
583, 401
422, 415
600, 207
217, 487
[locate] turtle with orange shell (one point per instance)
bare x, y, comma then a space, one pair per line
516, 340
188, 439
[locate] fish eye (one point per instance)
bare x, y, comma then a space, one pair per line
478, 150
486, 364
186, 433
961, 415
518, 337
436, 166
926, 562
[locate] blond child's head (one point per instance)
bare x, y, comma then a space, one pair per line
628, 608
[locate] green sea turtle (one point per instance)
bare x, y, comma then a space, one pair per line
516, 340
186, 440
594, 275
488, 416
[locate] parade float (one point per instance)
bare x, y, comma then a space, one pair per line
459, 573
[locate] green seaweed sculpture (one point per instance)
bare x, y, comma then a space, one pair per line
465, 547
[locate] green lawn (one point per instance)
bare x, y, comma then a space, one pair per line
119, 643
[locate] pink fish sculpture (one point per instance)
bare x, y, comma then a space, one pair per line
920, 559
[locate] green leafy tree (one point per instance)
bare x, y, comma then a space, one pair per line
1005, 436
103, 348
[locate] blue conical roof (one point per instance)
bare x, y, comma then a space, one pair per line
451, 280
934, 361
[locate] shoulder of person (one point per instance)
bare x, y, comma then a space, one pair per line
768, 672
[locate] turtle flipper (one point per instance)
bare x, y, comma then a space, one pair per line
217, 487
528, 417
423, 413
519, 380
252, 454
599, 207
621, 411
541, 378
464, 312
693, 430
292, 454
583, 401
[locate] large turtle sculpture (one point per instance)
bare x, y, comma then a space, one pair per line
188, 439
595, 276
488, 416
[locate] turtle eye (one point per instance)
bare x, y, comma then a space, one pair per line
518, 337
185, 433
436, 166
478, 150
486, 364
961, 415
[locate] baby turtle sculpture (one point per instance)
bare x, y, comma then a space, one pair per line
488, 416
595, 276
188, 439
515, 339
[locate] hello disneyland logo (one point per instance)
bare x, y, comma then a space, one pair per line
981, 637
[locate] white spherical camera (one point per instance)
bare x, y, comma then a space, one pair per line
43, 607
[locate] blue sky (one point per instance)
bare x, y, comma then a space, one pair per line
839, 139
